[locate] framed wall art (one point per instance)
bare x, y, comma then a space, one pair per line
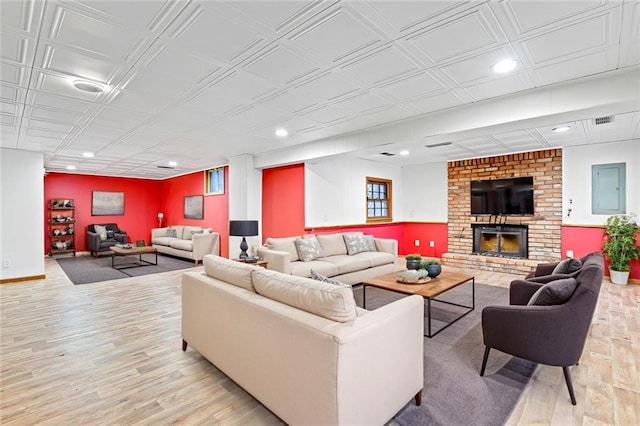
194, 207
107, 203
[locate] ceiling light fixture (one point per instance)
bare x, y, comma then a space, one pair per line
504, 66
87, 154
88, 86
71, 167
561, 129
404, 152
281, 132
172, 163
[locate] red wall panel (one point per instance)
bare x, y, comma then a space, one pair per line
425, 232
141, 203
283, 201
216, 207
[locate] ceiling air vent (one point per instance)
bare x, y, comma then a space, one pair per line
165, 167
435, 145
603, 120
387, 154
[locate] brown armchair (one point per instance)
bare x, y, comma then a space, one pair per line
553, 334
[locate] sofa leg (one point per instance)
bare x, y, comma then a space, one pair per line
567, 378
484, 359
196, 262
418, 398
184, 345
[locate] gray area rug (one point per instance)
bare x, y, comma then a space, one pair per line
88, 269
454, 393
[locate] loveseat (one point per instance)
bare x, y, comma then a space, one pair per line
104, 236
301, 346
191, 242
349, 257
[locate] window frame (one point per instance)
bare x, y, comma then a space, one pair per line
389, 199
207, 181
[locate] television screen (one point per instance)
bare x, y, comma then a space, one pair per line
512, 196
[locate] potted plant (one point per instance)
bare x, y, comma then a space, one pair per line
432, 266
413, 261
620, 246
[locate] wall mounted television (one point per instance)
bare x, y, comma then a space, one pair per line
513, 196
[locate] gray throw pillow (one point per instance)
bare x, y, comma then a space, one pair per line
554, 293
567, 266
171, 233
355, 243
324, 279
102, 231
308, 248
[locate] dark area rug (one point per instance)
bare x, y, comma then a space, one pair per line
88, 269
454, 393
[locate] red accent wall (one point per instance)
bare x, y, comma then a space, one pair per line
283, 201
585, 240
426, 232
216, 207
141, 203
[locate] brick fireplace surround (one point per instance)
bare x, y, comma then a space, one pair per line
544, 226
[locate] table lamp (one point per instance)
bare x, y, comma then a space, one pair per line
243, 228
160, 216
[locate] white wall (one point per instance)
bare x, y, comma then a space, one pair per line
336, 191
576, 180
21, 213
245, 199
425, 190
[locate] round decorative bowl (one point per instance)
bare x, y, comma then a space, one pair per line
412, 276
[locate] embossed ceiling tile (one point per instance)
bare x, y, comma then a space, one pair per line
53, 114
56, 85
11, 74
48, 134
145, 81
519, 136
59, 103
288, 103
326, 115
575, 38
12, 47
18, 14
335, 36
434, 103
500, 86
243, 86
119, 118
12, 94
381, 66
138, 101
50, 126
211, 101
281, 65
274, 14
255, 117
404, 14
477, 30
294, 126
573, 68
140, 14
477, 67
389, 115
362, 103
629, 54
211, 34
9, 108
180, 64
95, 36
413, 86
326, 87
76, 64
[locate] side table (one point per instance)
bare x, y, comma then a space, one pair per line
262, 263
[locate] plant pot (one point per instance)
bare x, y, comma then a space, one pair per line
434, 270
618, 277
413, 264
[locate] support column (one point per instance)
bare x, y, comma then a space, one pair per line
245, 199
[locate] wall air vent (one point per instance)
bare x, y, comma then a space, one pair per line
435, 145
603, 120
387, 154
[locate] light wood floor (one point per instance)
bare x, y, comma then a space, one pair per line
109, 353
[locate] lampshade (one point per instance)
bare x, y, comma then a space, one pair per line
243, 228
160, 215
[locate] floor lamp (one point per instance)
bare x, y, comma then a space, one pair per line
243, 228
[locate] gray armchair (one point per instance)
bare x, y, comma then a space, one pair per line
96, 243
553, 334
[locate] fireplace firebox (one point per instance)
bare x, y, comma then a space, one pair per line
501, 240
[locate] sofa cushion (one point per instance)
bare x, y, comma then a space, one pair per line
346, 263
567, 266
376, 258
179, 230
230, 271
187, 232
554, 293
178, 244
171, 233
284, 244
356, 244
162, 241
334, 302
308, 249
303, 269
332, 244
102, 231
371, 242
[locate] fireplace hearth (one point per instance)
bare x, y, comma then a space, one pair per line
501, 240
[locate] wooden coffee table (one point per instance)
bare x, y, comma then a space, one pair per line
441, 284
120, 251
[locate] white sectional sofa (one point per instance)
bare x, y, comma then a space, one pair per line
191, 242
349, 257
302, 347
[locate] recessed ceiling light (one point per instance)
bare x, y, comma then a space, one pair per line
87, 154
404, 152
281, 132
505, 66
561, 129
71, 167
172, 163
88, 86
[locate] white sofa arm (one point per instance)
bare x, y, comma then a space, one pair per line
387, 245
381, 361
204, 244
278, 260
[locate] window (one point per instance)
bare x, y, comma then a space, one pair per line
378, 200
608, 192
214, 181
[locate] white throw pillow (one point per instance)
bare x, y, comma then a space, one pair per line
308, 249
102, 231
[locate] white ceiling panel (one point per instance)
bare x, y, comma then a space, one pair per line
477, 67
157, 85
13, 74
413, 86
281, 65
274, 14
574, 68
530, 15
12, 47
177, 63
138, 101
243, 85
381, 66
61, 86
434, 103
288, 103
139, 14
57, 103
12, 94
405, 14
362, 103
326, 114
53, 114
326, 87
73, 63
500, 86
